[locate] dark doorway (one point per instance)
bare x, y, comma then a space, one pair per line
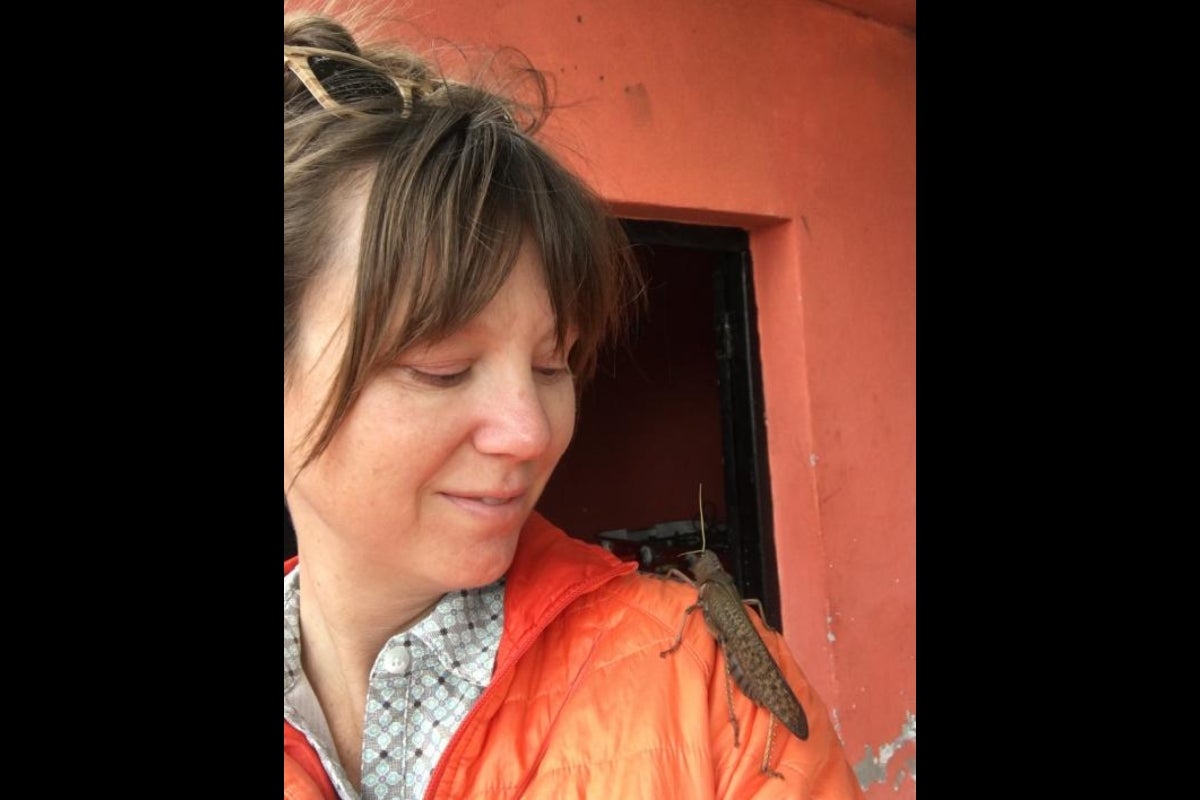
679, 408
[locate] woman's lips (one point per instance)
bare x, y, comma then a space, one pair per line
488, 505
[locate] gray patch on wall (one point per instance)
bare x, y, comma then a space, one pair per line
910, 766
639, 103
873, 766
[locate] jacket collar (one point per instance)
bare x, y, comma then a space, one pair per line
549, 570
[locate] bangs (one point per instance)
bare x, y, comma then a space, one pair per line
457, 189
444, 227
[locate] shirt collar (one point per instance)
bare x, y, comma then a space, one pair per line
291, 629
463, 631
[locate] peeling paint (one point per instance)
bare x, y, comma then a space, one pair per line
829, 628
837, 725
812, 459
873, 767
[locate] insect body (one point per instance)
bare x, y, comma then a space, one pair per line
747, 659
750, 663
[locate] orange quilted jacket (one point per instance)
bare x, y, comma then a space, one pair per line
581, 704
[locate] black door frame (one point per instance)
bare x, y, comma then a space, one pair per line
749, 547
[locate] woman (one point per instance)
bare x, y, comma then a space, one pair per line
447, 286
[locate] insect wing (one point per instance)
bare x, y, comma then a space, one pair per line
753, 668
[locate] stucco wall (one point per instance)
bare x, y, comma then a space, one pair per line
795, 120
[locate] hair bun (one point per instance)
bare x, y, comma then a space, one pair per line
321, 32
314, 30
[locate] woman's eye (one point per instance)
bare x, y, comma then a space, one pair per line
440, 380
552, 373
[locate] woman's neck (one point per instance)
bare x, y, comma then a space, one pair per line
346, 617
344, 623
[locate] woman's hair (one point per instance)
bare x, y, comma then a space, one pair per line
456, 185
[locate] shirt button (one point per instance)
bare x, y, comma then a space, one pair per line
396, 660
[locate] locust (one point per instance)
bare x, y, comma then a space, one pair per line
748, 662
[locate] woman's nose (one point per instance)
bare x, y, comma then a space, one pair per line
514, 420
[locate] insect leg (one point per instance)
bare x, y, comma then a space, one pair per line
729, 699
766, 764
762, 614
674, 573
679, 638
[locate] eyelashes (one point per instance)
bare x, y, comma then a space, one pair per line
553, 373
438, 380
449, 380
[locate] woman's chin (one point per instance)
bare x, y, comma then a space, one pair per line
484, 564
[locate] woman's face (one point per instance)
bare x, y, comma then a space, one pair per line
431, 475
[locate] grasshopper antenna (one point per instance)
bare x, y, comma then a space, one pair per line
703, 536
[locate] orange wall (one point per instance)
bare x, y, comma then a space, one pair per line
796, 120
